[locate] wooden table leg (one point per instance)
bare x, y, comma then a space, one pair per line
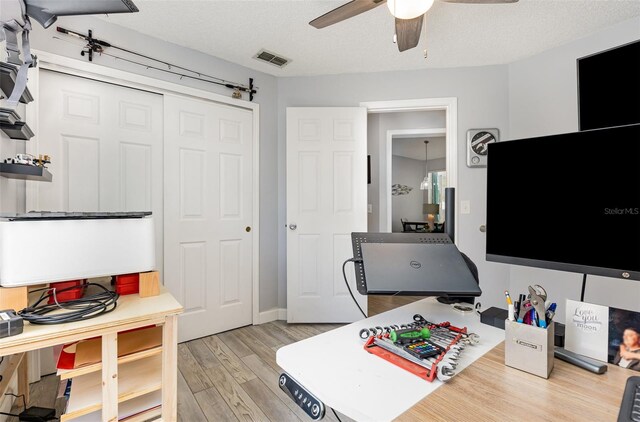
23, 378
110, 377
170, 369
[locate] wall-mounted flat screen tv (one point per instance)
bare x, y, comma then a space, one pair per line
609, 87
567, 202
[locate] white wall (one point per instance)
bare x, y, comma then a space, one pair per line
11, 190
437, 164
482, 102
42, 40
543, 100
409, 172
378, 125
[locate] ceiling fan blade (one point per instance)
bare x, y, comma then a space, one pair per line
408, 32
346, 11
480, 1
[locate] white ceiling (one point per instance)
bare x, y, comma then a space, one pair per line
457, 34
414, 147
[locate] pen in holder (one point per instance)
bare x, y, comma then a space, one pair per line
529, 348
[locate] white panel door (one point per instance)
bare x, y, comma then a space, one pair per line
105, 143
326, 201
208, 214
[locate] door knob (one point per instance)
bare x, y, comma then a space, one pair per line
293, 226
247, 229
483, 228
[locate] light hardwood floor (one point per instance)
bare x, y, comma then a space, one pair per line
233, 376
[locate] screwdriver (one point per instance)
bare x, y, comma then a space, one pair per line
408, 335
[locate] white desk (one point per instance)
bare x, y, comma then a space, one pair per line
335, 367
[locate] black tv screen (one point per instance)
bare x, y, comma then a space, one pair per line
567, 202
609, 87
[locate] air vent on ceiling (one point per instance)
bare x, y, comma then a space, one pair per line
271, 58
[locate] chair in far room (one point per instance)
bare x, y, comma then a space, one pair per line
414, 226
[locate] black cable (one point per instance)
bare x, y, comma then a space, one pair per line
9, 414
584, 287
335, 414
84, 308
344, 274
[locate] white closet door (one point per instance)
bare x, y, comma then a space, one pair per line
105, 143
326, 202
208, 214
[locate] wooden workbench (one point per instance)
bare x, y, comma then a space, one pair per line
490, 391
132, 312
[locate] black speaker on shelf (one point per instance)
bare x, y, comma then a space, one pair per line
450, 213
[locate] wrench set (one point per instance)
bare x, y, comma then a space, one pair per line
432, 352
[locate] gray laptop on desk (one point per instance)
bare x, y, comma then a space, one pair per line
430, 269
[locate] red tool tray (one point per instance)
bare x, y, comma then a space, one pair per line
414, 368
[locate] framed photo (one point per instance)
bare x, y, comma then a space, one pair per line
603, 333
624, 338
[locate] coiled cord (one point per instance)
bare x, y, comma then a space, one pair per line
86, 307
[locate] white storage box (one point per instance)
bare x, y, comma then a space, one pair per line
45, 251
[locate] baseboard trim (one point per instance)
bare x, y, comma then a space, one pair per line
272, 315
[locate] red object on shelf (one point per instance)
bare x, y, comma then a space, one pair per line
128, 284
67, 295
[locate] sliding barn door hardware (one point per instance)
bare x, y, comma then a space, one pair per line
96, 46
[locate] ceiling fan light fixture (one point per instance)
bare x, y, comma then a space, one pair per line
409, 9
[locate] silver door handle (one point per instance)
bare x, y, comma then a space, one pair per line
293, 226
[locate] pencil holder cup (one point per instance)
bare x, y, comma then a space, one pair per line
529, 348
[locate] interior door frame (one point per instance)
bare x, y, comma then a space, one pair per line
57, 63
447, 104
386, 227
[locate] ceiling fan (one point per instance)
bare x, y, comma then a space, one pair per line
409, 15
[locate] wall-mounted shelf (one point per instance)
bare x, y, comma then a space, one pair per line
8, 75
18, 130
8, 116
25, 172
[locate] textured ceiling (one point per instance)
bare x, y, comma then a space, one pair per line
414, 147
457, 34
